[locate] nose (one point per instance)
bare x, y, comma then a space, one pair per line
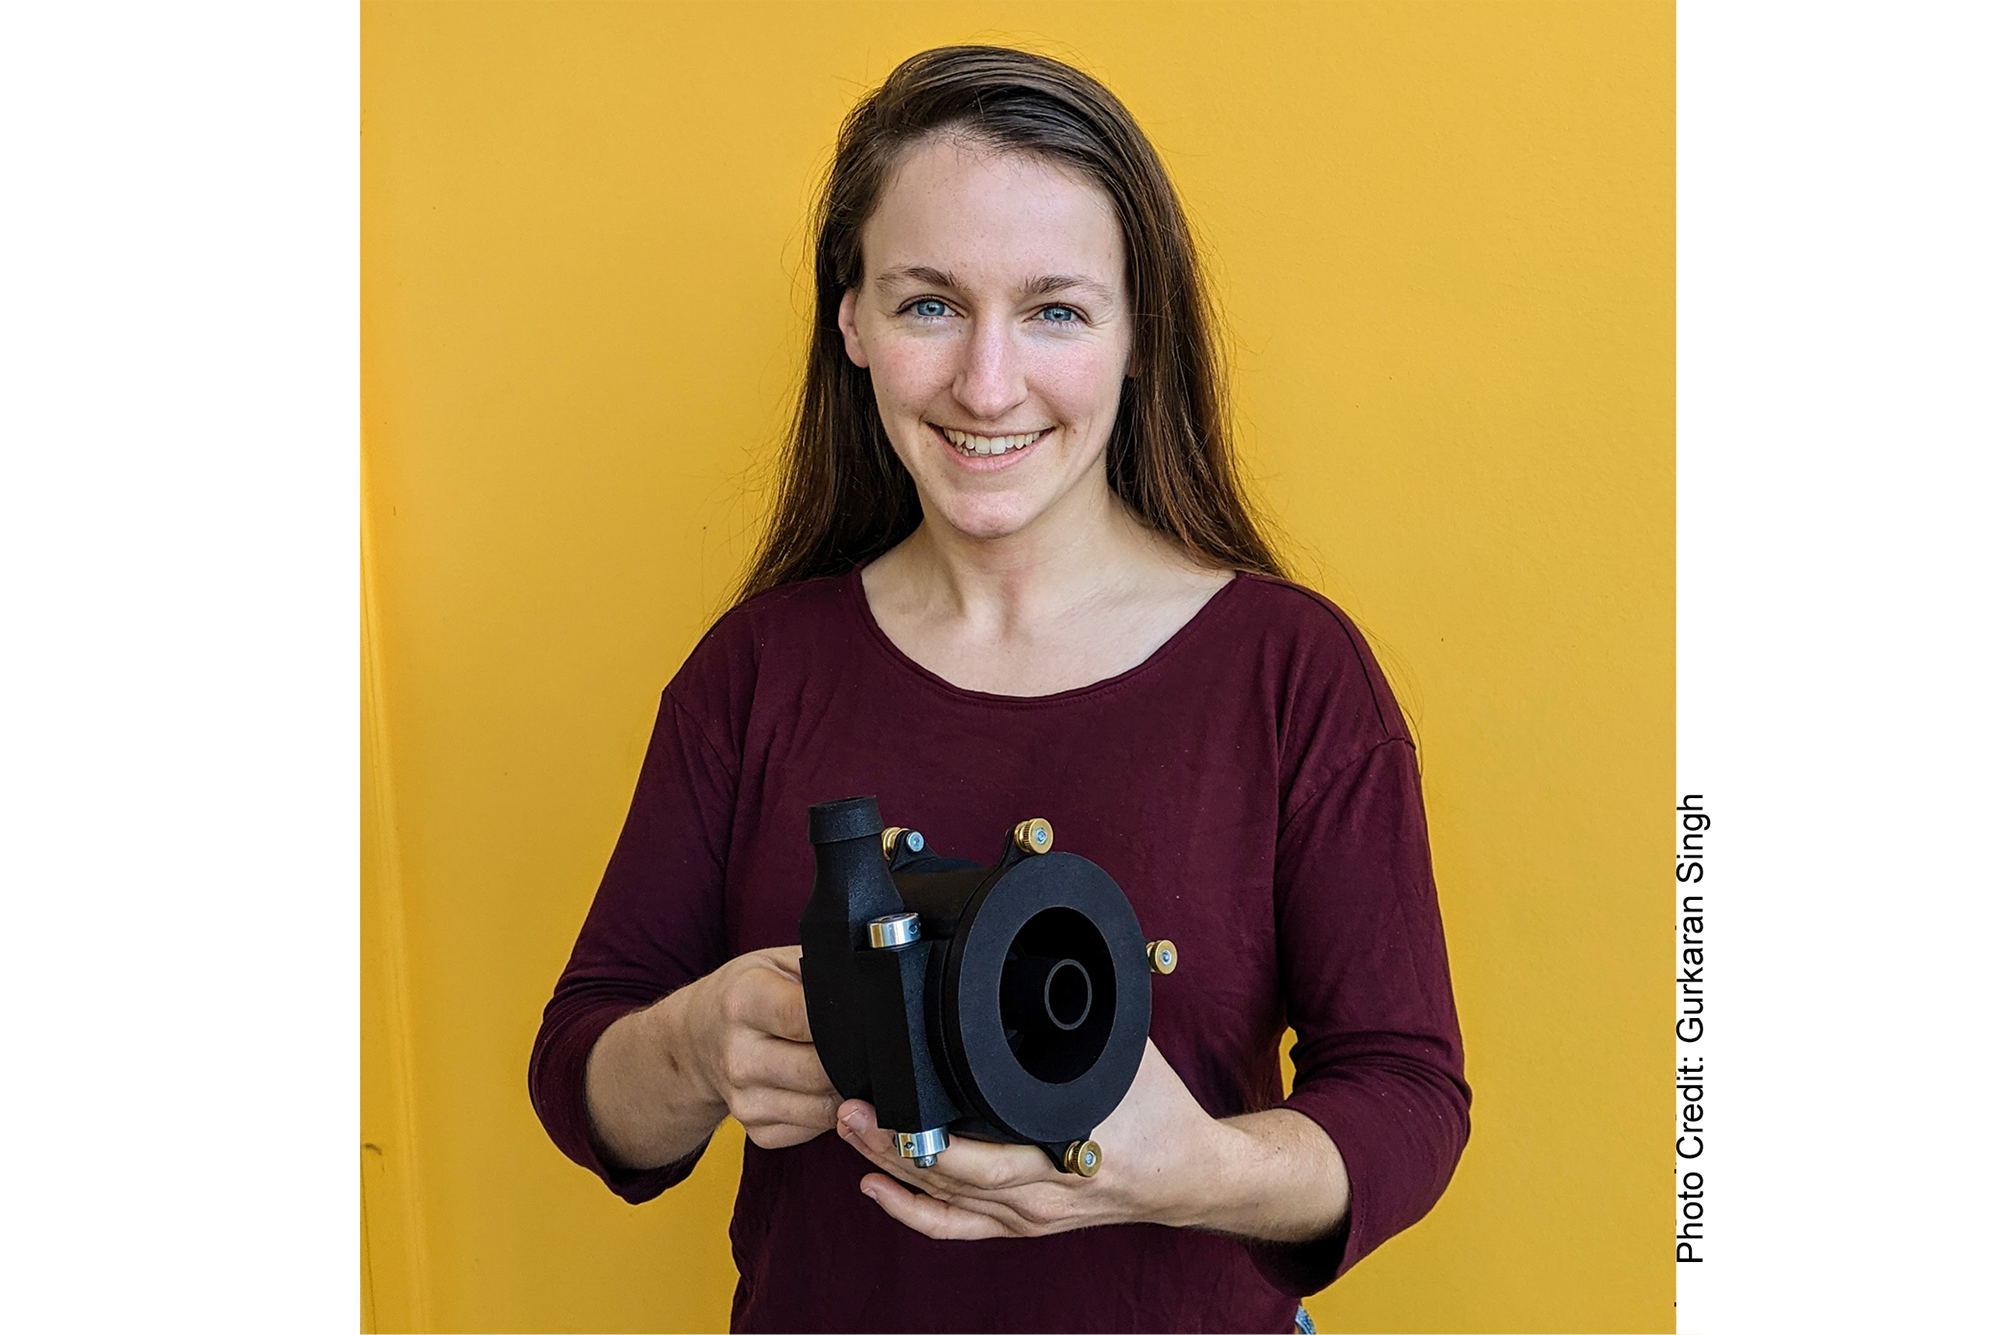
990, 379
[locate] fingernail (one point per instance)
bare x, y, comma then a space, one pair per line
869, 1192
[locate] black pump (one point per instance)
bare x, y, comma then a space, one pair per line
1006, 1003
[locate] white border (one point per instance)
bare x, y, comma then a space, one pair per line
1836, 427
177, 542
177, 535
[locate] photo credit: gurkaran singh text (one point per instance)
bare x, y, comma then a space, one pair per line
1689, 1024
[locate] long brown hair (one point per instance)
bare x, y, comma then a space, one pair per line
843, 496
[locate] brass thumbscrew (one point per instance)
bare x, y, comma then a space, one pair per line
1083, 1158
910, 839
1034, 836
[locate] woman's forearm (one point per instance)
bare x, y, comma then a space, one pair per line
1273, 1175
650, 1103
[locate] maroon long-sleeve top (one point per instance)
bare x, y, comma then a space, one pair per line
1252, 788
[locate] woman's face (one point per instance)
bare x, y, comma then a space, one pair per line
992, 319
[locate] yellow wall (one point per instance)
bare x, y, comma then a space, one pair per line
1444, 238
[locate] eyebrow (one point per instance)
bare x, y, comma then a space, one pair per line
1040, 286
1050, 284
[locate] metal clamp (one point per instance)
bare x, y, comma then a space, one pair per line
923, 1146
893, 932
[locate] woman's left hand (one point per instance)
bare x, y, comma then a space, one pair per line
1156, 1143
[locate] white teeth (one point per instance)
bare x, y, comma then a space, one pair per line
971, 444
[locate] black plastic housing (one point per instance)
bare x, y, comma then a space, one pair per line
1019, 1013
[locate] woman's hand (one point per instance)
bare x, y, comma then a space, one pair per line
753, 1048
1159, 1147
733, 1043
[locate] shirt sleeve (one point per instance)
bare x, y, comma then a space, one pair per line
655, 925
1379, 1063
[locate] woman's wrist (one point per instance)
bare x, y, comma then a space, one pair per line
648, 1094
1202, 1190
1273, 1176
677, 1036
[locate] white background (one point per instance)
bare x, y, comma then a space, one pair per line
178, 551
179, 764
1837, 668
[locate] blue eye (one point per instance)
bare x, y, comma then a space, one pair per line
929, 308
1060, 314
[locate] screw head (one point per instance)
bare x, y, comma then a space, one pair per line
1034, 836
1083, 1157
897, 837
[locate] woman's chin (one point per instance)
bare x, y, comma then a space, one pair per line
989, 518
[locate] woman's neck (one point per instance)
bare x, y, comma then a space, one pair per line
1048, 570
1036, 613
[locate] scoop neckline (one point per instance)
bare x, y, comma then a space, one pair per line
857, 597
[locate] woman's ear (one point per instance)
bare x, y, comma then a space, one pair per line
849, 333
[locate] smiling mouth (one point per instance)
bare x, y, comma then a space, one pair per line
974, 447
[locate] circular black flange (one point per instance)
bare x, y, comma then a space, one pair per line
1048, 1084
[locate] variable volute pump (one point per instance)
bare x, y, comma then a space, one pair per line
1006, 1003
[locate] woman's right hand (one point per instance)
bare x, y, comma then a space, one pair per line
747, 1031
734, 1042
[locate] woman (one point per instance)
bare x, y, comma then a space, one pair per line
1011, 574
